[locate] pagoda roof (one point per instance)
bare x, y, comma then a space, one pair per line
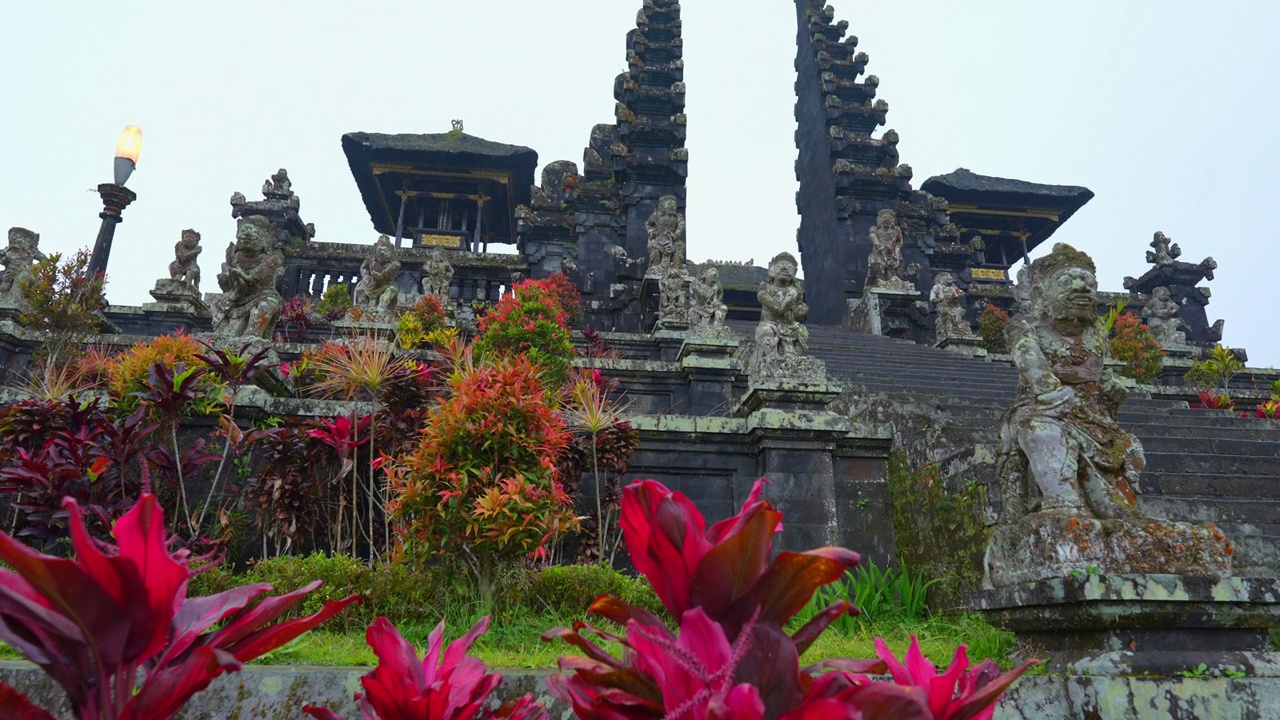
1005, 211
383, 164
964, 185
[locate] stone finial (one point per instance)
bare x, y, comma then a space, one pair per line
278, 186
948, 298
457, 125
1162, 252
22, 253
377, 292
1068, 471
884, 266
666, 237
1161, 314
782, 341
437, 274
249, 305
184, 268
707, 309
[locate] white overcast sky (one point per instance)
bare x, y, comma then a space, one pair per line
1167, 110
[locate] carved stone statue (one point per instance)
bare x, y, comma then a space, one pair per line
184, 268
278, 185
1162, 252
949, 300
437, 274
1068, 471
781, 339
673, 300
249, 305
707, 309
884, 266
666, 237
377, 291
1161, 314
22, 253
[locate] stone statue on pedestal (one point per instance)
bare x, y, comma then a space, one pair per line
949, 299
1068, 471
673, 300
184, 268
278, 186
707, 309
249, 305
22, 253
666, 237
884, 266
1161, 314
437, 274
781, 339
377, 292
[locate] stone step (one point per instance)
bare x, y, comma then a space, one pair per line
1212, 464
1217, 446
1171, 430
1211, 510
1210, 485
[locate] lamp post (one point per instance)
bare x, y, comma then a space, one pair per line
115, 197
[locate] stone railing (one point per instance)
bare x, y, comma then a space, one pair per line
315, 267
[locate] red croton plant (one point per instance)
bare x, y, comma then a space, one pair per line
451, 686
115, 628
732, 657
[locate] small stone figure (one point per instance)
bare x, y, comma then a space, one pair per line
949, 300
673, 300
377, 291
22, 253
1161, 314
666, 237
1163, 253
884, 267
278, 185
184, 268
781, 339
1068, 471
249, 305
707, 309
437, 274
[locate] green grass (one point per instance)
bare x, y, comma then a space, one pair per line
516, 643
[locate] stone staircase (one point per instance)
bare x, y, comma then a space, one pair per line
1202, 465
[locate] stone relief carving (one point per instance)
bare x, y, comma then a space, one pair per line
377, 291
249, 305
781, 338
184, 268
1161, 314
22, 253
948, 298
1068, 470
707, 310
437, 274
884, 266
673, 299
666, 237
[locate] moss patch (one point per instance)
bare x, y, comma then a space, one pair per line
938, 533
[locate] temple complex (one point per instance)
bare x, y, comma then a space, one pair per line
1031, 477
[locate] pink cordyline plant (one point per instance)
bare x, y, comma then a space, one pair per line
448, 686
115, 628
731, 657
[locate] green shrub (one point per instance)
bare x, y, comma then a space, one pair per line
991, 325
567, 590
1135, 346
335, 303
1215, 371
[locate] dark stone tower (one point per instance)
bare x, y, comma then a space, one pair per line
599, 217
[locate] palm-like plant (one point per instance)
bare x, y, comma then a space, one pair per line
357, 370
591, 411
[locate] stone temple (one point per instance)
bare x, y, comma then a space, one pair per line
1104, 519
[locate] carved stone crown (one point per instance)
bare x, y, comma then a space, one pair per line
1063, 257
